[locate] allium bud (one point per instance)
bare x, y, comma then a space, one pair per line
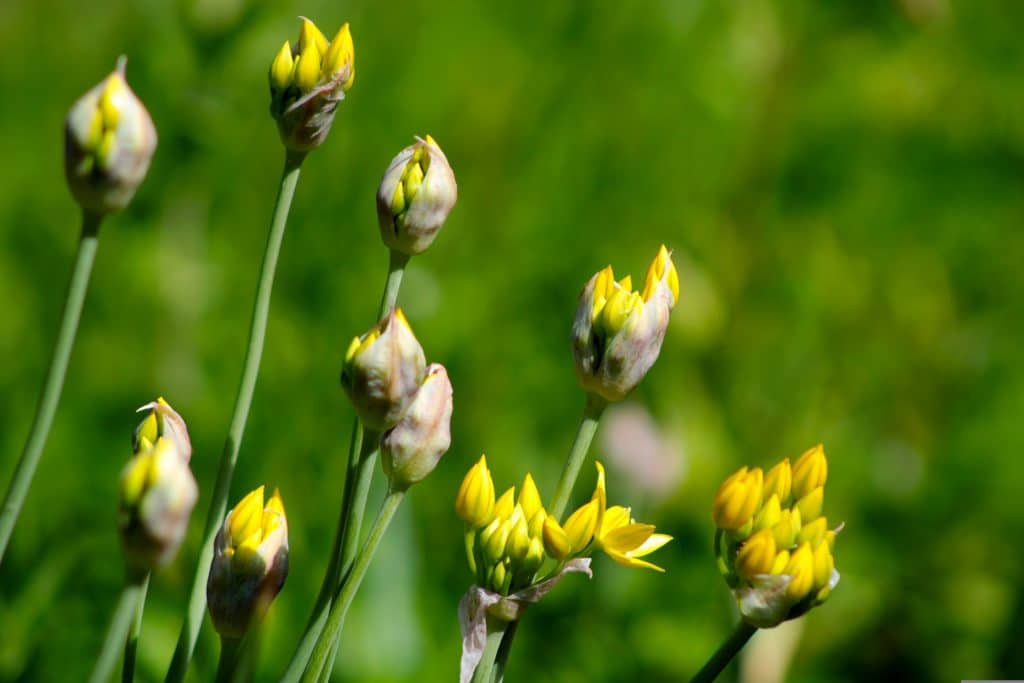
158, 493
162, 420
474, 503
412, 448
809, 471
250, 563
109, 140
308, 82
415, 197
618, 332
382, 372
738, 498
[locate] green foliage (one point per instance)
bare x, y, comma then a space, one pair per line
840, 183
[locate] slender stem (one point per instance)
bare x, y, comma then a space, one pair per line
725, 653
230, 653
358, 477
501, 660
348, 588
132, 645
577, 454
485, 668
396, 269
117, 632
54, 382
254, 351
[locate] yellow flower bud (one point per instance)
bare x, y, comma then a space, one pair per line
415, 196
282, 67
809, 472
536, 523
556, 542
781, 562
506, 503
787, 528
339, 60
307, 68
823, 565
801, 572
580, 526
494, 538
738, 498
109, 142
810, 505
617, 333
310, 37
813, 532
474, 503
250, 563
382, 372
778, 481
529, 497
757, 555
519, 537
534, 557
769, 515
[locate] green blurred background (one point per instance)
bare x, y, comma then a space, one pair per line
843, 186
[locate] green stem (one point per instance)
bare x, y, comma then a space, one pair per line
485, 668
725, 653
577, 454
506, 646
230, 653
358, 477
254, 351
54, 382
117, 633
132, 645
349, 587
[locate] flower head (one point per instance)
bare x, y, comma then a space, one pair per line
308, 82
415, 196
250, 563
383, 370
411, 449
158, 491
109, 140
617, 333
776, 556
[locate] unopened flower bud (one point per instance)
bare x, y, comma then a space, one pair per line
801, 572
109, 140
814, 532
382, 372
778, 481
811, 504
415, 197
738, 498
809, 471
474, 503
506, 503
556, 542
529, 497
411, 450
617, 333
158, 493
787, 528
250, 563
823, 566
162, 420
307, 83
757, 555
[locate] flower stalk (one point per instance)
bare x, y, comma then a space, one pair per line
254, 352
725, 653
54, 382
131, 646
124, 614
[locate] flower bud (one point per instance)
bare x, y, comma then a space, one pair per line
382, 372
617, 333
109, 140
162, 420
250, 563
787, 528
415, 196
738, 498
474, 503
801, 572
823, 566
556, 542
506, 503
529, 497
308, 82
809, 471
814, 532
778, 481
769, 514
757, 555
158, 493
411, 450
811, 504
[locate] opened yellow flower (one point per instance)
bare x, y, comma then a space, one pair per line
620, 536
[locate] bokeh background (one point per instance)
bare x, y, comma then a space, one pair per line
843, 186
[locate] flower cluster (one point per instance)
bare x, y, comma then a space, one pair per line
773, 545
308, 82
509, 540
157, 490
250, 563
618, 332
